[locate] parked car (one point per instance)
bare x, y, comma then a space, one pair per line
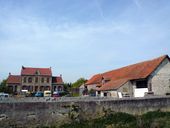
2, 94
39, 94
56, 94
47, 93
24, 91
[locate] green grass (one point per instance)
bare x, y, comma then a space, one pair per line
155, 119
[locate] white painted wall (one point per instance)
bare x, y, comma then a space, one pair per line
92, 86
119, 94
140, 92
102, 94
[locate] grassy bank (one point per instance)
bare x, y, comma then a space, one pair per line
154, 119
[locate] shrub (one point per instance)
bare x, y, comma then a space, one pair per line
118, 120
155, 119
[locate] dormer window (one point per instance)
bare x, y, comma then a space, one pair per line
105, 80
37, 72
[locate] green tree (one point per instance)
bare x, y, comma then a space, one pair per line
67, 87
79, 82
75, 86
3, 87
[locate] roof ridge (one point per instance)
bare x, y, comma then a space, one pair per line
163, 56
14, 75
37, 68
134, 71
57, 75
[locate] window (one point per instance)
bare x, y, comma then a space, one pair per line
107, 80
150, 87
25, 79
36, 73
24, 87
36, 79
36, 88
29, 80
15, 88
125, 89
99, 92
105, 94
48, 80
42, 80
47, 88
141, 84
59, 88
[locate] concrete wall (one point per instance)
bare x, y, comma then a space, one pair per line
160, 79
48, 111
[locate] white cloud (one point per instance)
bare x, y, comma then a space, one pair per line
76, 48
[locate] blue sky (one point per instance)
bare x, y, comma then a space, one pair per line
79, 38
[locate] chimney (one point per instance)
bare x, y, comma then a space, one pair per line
23, 67
60, 75
9, 73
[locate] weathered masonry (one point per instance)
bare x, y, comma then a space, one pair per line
40, 111
148, 77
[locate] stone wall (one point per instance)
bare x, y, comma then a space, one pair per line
160, 79
127, 88
34, 112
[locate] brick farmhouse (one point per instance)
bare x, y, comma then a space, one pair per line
34, 79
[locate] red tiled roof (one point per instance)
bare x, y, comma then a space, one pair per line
109, 85
32, 71
131, 72
95, 79
57, 80
14, 79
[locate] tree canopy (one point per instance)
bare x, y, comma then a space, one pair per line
3, 87
79, 82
